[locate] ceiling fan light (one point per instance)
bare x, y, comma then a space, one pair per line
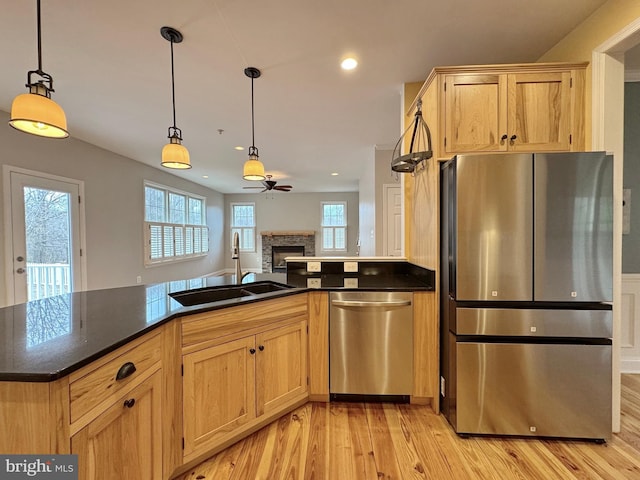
175, 155
38, 115
253, 169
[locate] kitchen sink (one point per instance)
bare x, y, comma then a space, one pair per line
199, 296
264, 287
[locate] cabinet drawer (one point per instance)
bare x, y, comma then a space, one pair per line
93, 384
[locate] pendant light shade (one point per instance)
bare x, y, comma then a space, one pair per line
35, 112
253, 168
174, 154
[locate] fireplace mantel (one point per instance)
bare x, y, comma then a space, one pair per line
282, 233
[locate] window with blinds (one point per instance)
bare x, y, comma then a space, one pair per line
334, 226
243, 221
175, 225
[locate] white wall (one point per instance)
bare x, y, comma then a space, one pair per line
288, 211
367, 210
371, 188
113, 205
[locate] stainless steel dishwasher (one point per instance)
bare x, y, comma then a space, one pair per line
371, 345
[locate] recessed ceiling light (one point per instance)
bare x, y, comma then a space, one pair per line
335, 174
349, 63
205, 176
239, 148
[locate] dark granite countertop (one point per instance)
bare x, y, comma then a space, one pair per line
46, 339
371, 275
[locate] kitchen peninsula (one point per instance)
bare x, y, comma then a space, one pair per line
84, 372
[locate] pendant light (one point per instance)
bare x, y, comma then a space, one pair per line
174, 154
35, 112
419, 148
253, 167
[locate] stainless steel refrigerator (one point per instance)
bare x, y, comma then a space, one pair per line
526, 290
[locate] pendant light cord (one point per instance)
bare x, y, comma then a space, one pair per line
253, 136
39, 40
173, 87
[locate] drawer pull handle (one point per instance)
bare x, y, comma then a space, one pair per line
125, 371
130, 403
252, 351
261, 348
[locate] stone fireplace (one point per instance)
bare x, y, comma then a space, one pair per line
287, 244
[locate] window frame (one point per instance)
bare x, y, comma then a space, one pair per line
243, 229
181, 236
333, 228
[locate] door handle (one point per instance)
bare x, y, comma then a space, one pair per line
351, 303
20, 270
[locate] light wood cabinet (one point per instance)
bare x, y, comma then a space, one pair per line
125, 441
281, 367
249, 368
318, 346
500, 108
426, 351
118, 428
218, 391
116, 412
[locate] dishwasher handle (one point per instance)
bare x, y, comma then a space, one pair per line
353, 303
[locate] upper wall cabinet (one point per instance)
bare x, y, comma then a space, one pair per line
494, 108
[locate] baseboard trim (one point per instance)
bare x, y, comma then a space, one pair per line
630, 365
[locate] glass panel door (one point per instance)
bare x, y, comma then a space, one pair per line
46, 237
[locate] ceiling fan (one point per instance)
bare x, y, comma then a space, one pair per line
269, 184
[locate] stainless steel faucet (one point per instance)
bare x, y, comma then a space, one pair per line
235, 255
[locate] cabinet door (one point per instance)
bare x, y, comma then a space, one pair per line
126, 440
281, 366
539, 111
475, 113
218, 390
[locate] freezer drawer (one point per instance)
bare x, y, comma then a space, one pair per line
533, 389
534, 322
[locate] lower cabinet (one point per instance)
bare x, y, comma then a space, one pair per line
125, 441
218, 391
227, 387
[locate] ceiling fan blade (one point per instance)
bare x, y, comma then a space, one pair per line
251, 187
283, 188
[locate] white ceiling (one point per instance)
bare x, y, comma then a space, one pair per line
111, 71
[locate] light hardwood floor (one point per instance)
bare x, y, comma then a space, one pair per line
354, 441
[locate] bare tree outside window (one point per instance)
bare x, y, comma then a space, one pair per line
47, 234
